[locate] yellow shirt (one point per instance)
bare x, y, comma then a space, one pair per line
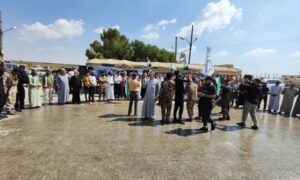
134, 85
86, 81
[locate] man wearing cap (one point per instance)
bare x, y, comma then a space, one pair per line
275, 97
12, 90
48, 84
207, 96
23, 81
252, 93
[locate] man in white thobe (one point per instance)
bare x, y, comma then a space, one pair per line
152, 93
275, 97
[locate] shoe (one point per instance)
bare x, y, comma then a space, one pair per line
221, 119
2, 116
204, 129
175, 120
213, 126
255, 127
294, 115
198, 118
181, 122
228, 118
189, 120
241, 124
11, 113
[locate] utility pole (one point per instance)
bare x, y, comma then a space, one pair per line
191, 44
175, 48
1, 37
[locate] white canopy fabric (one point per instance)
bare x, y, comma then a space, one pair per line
226, 69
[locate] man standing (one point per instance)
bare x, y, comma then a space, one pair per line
75, 86
179, 97
263, 96
62, 84
191, 90
252, 92
23, 80
34, 94
12, 90
86, 84
134, 86
118, 87
275, 97
289, 95
3, 82
166, 95
145, 79
92, 86
110, 86
297, 106
152, 92
206, 103
48, 84
225, 93
102, 86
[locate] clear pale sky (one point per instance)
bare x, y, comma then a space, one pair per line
256, 36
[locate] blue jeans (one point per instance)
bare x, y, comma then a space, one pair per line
134, 96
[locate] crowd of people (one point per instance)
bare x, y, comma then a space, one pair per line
154, 89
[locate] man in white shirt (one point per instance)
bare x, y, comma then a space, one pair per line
93, 85
118, 87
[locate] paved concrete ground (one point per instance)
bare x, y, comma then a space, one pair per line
98, 142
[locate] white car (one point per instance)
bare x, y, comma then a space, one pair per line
272, 82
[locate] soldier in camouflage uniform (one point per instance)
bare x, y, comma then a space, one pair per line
3, 79
191, 91
166, 97
11, 92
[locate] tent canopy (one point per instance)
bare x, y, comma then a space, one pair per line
227, 69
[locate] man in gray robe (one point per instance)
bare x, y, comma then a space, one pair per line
62, 83
152, 93
297, 106
275, 97
289, 95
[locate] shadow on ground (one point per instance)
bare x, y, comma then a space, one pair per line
151, 123
185, 132
111, 115
125, 119
230, 128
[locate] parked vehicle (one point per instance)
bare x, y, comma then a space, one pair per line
272, 82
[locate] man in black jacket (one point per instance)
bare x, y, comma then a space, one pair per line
23, 80
207, 96
252, 93
179, 97
225, 94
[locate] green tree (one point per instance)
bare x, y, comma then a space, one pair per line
117, 46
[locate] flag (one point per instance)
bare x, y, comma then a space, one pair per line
219, 83
172, 67
209, 69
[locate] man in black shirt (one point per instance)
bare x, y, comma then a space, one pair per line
23, 80
179, 97
252, 93
225, 93
263, 96
206, 103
